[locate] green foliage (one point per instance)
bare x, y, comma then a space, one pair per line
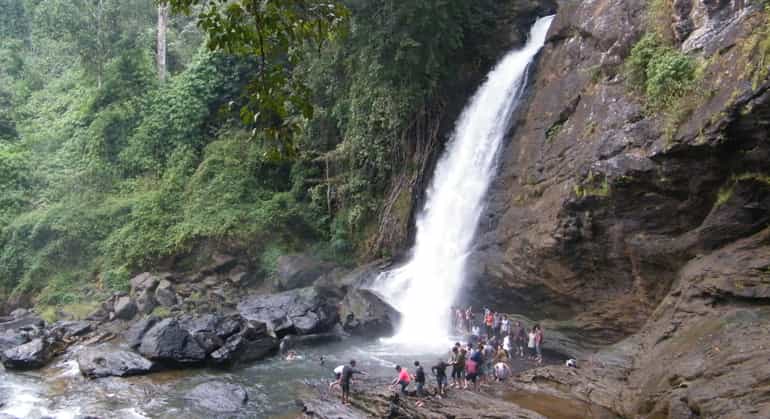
278, 33
105, 171
661, 73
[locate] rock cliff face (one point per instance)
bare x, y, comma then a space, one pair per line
635, 230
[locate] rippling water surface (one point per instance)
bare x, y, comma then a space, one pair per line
61, 392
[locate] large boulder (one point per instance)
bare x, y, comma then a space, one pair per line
298, 271
31, 355
252, 343
143, 290
205, 330
364, 313
302, 311
136, 332
110, 361
218, 396
168, 342
165, 294
125, 308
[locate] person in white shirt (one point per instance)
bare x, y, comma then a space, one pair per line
337, 377
507, 346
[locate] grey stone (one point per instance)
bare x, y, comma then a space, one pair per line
364, 313
125, 308
165, 295
218, 396
168, 342
31, 355
110, 361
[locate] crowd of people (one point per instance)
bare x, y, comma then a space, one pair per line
484, 358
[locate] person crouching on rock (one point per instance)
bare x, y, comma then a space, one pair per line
347, 377
337, 377
502, 371
402, 379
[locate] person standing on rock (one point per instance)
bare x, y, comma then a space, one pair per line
471, 373
507, 347
489, 323
531, 343
441, 380
460, 368
505, 327
497, 322
520, 338
419, 378
538, 344
454, 354
347, 377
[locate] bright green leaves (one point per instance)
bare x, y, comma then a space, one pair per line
662, 73
280, 34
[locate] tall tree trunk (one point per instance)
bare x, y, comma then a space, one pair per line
160, 55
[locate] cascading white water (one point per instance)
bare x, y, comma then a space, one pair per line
425, 288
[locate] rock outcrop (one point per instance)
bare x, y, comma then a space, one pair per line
302, 311
298, 271
364, 313
168, 342
33, 354
645, 232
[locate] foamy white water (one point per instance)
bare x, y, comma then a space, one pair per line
426, 287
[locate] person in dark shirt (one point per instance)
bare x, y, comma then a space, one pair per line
419, 378
346, 378
441, 380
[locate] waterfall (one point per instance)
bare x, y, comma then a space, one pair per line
425, 288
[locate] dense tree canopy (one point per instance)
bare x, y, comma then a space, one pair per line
105, 170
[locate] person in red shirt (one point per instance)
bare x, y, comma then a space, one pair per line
489, 322
402, 379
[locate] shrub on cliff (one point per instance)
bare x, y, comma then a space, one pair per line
661, 73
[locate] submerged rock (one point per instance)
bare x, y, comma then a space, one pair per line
364, 313
106, 361
218, 396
